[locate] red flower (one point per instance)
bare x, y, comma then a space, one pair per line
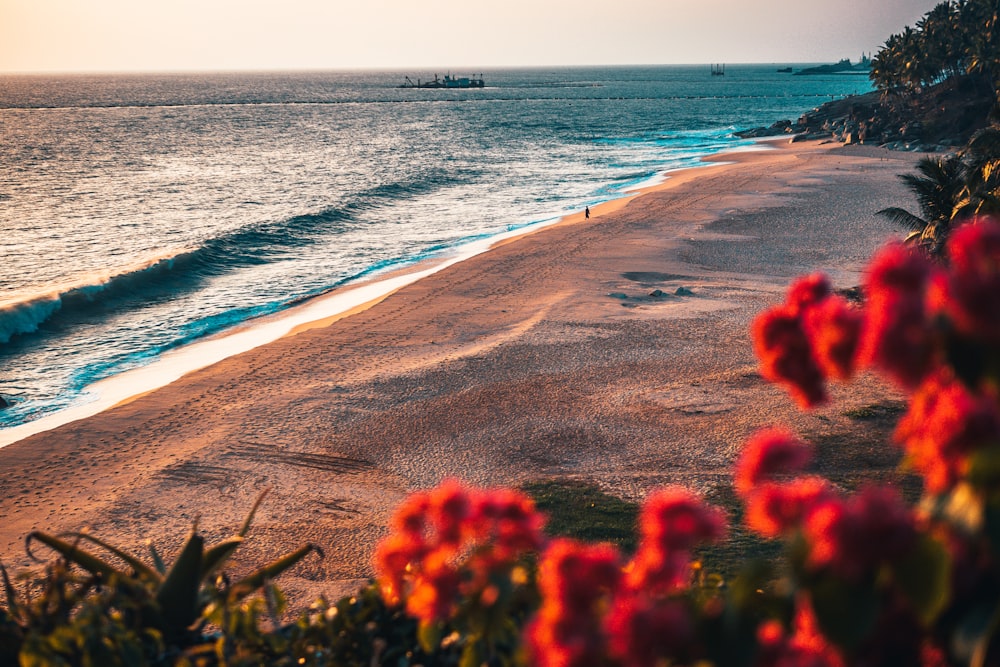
392, 557
644, 632
774, 510
853, 537
973, 285
766, 453
786, 355
449, 508
436, 589
834, 329
805, 649
672, 522
807, 292
896, 335
451, 543
945, 423
577, 583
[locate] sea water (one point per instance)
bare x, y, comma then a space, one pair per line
141, 213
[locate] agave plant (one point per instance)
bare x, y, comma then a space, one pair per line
178, 595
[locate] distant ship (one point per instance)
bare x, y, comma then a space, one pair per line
447, 82
718, 70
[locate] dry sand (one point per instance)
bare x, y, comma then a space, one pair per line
545, 357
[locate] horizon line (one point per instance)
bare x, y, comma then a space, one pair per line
387, 68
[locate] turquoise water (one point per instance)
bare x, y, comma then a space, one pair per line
141, 213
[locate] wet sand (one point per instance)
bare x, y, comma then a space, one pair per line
547, 356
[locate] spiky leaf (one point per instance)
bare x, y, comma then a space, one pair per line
252, 582
140, 568
178, 596
74, 554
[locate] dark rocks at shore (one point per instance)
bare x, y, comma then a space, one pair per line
842, 67
4, 403
939, 119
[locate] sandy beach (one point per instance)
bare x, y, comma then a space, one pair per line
548, 356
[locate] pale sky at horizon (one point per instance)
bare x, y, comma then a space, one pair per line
183, 35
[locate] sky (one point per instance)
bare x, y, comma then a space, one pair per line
217, 35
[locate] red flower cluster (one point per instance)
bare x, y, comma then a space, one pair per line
945, 424
851, 536
813, 335
673, 521
897, 336
774, 509
595, 612
855, 536
917, 314
769, 452
973, 282
578, 584
805, 647
450, 542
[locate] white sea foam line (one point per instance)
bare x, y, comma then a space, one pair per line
177, 363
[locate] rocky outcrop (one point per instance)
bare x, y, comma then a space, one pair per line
842, 67
938, 119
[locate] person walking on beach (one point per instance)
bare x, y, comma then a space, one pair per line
586, 212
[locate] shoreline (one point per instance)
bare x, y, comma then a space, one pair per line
313, 312
550, 356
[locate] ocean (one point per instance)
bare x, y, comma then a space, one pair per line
141, 213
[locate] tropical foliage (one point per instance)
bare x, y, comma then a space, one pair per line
957, 37
952, 189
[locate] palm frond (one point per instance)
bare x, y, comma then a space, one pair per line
903, 218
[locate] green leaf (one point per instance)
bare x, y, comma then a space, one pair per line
846, 612
253, 510
155, 555
13, 602
141, 569
429, 636
472, 655
252, 582
178, 596
215, 557
924, 577
984, 467
74, 554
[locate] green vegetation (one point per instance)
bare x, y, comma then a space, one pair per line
117, 610
950, 190
584, 512
956, 38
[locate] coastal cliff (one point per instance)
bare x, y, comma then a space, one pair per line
939, 118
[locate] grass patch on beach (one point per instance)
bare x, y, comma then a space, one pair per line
874, 411
582, 511
740, 546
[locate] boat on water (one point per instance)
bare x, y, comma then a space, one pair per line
718, 70
448, 81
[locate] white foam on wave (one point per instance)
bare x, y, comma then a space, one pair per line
173, 365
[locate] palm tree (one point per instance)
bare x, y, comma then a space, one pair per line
981, 194
938, 187
951, 190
